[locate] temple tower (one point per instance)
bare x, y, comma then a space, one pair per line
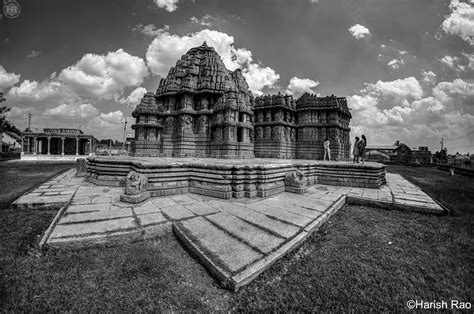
275, 127
200, 109
320, 118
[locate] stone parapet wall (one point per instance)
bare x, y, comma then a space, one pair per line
230, 179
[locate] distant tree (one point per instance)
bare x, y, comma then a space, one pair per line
6, 125
106, 141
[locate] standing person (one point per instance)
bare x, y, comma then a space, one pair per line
362, 146
355, 152
327, 150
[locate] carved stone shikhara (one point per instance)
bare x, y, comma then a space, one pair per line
201, 109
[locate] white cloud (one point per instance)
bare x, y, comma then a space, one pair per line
314, 1
359, 31
206, 20
457, 89
104, 76
398, 110
461, 20
168, 5
18, 112
166, 49
395, 64
429, 77
259, 77
298, 86
7, 79
135, 96
73, 110
33, 54
151, 29
113, 117
108, 125
34, 93
450, 61
470, 60
398, 91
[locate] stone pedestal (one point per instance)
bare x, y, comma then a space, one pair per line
136, 188
295, 182
81, 167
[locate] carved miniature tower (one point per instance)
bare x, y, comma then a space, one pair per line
275, 127
320, 118
200, 109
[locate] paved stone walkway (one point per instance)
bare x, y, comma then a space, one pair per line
53, 194
235, 239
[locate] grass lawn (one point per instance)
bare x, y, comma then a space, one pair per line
362, 259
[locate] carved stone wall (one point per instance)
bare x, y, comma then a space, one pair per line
205, 110
320, 118
275, 127
201, 109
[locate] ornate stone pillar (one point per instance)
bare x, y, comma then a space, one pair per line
77, 146
62, 145
49, 145
28, 150
35, 143
90, 146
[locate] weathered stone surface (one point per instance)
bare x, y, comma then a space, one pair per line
70, 230
274, 226
201, 208
147, 208
177, 212
96, 215
54, 194
151, 219
137, 198
295, 179
280, 214
254, 236
81, 167
136, 183
231, 253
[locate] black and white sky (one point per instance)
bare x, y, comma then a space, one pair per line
405, 66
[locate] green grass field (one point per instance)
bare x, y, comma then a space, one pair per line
362, 259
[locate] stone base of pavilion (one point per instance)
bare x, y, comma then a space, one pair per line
228, 178
60, 158
235, 239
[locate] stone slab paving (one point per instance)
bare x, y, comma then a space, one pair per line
53, 194
397, 194
235, 239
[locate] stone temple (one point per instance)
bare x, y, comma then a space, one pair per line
228, 143
201, 109
231, 147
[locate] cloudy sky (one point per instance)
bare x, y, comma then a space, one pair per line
406, 66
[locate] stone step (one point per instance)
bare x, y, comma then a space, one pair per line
252, 235
218, 246
83, 229
276, 227
280, 214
